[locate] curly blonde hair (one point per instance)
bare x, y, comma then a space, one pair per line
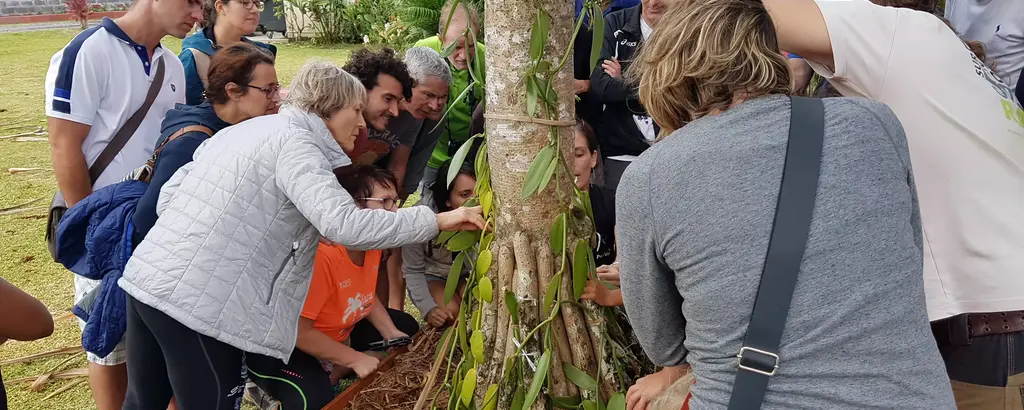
703, 55
323, 88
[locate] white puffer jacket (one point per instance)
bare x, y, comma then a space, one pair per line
231, 255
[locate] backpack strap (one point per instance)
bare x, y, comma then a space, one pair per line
202, 65
184, 130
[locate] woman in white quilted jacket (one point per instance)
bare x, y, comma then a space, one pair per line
224, 272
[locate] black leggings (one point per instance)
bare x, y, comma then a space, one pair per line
303, 383
167, 358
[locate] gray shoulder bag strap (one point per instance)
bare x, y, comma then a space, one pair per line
759, 357
58, 206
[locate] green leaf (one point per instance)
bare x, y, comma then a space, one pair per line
487, 240
549, 297
444, 237
444, 337
558, 234
579, 377
471, 202
452, 282
569, 403
598, 25
483, 263
461, 241
468, 387
486, 289
543, 67
538, 379
476, 345
539, 34
458, 159
580, 269
491, 397
588, 405
548, 93
531, 95
518, 399
480, 162
513, 306
451, 14
487, 201
550, 171
617, 402
536, 172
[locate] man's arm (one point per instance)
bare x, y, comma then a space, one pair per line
398, 164
69, 164
801, 29
604, 87
651, 298
24, 317
381, 320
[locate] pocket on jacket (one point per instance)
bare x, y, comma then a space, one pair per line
280, 270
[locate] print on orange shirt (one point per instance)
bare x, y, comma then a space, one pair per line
341, 292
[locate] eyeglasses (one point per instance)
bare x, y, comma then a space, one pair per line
388, 203
270, 92
250, 3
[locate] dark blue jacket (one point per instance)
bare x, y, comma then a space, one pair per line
205, 42
174, 155
93, 241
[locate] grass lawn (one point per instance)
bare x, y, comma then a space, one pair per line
24, 260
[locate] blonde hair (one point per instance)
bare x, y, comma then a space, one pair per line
323, 88
703, 55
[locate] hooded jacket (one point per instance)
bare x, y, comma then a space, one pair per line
205, 42
231, 255
619, 134
174, 155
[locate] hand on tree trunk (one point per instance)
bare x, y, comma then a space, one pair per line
461, 219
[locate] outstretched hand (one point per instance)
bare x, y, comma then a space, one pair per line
461, 219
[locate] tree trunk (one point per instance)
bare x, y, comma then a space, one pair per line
522, 228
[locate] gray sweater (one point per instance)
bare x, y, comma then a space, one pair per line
694, 217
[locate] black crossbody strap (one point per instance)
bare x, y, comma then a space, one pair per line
758, 359
128, 129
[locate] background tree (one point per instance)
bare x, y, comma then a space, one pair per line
526, 339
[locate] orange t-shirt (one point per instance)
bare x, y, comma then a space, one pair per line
341, 293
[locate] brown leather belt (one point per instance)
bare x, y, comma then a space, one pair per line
983, 324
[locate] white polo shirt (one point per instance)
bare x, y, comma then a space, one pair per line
966, 137
100, 79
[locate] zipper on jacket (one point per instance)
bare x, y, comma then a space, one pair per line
273, 282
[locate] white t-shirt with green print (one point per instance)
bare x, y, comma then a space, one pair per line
966, 136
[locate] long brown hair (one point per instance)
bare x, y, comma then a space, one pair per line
703, 55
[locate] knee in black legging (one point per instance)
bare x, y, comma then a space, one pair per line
405, 322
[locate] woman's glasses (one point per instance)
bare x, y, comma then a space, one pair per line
249, 4
270, 91
388, 203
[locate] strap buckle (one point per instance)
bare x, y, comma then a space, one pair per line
761, 363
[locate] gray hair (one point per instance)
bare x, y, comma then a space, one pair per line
322, 88
424, 62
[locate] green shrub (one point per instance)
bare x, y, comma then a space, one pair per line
422, 16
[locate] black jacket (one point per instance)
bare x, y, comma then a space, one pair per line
620, 135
